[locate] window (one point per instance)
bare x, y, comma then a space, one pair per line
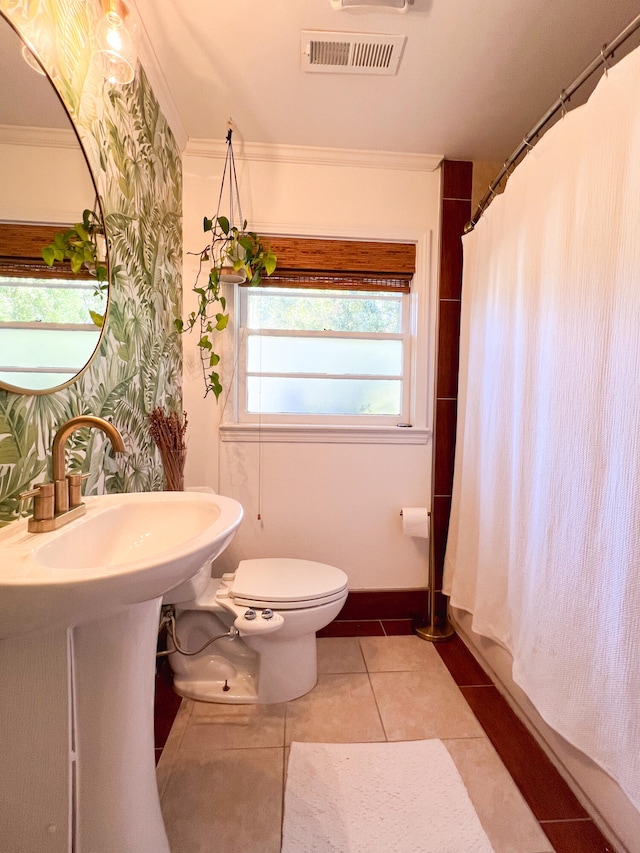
50, 317
47, 333
321, 346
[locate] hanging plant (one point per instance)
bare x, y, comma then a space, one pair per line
233, 256
83, 245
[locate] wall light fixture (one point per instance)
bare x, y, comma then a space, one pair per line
116, 42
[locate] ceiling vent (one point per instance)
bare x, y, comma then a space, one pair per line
372, 5
351, 53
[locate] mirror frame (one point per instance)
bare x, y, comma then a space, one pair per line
14, 389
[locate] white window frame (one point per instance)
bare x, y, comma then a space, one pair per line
421, 357
329, 419
63, 373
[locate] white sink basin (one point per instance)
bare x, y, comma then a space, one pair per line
79, 614
127, 549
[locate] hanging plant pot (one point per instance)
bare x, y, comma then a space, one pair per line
229, 276
233, 269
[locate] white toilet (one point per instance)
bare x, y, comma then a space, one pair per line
276, 605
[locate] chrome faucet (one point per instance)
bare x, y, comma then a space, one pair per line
58, 503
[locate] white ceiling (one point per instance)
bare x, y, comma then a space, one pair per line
475, 76
27, 99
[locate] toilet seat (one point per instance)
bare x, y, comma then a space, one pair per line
285, 584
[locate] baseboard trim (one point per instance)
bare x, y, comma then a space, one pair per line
385, 604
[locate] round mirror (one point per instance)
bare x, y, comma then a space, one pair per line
53, 256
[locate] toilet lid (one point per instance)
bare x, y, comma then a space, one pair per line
280, 580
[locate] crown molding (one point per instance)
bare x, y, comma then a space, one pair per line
42, 137
309, 155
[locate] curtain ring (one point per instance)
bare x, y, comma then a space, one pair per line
563, 101
527, 144
605, 61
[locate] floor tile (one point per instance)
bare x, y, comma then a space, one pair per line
340, 709
547, 794
218, 726
166, 760
415, 705
394, 654
506, 818
221, 771
576, 836
340, 654
225, 800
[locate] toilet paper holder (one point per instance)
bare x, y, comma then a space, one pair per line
432, 632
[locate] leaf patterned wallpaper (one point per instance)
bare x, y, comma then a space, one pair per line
137, 168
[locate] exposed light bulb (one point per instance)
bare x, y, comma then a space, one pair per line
115, 40
116, 43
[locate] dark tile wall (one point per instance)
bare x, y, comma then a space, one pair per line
457, 180
364, 612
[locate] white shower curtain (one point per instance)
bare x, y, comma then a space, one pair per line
544, 540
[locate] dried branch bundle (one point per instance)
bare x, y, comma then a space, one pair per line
168, 431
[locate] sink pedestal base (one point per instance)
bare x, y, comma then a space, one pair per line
77, 766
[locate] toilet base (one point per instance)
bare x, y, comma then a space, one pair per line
240, 692
254, 666
288, 668
286, 673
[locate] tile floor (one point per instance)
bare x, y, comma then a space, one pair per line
222, 771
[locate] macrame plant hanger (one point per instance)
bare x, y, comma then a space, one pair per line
227, 274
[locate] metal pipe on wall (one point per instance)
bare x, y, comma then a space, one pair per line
560, 104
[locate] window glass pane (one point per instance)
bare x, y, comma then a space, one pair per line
35, 381
274, 395
53, 302
274, 354
57, 348
324, 310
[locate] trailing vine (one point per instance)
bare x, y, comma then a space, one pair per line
235, 256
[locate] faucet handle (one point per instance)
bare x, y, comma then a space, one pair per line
43, 503
75, 488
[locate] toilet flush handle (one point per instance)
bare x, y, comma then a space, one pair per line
248, 625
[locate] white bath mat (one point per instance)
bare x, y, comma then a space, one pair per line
404, 797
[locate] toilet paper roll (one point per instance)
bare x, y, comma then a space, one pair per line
415, 521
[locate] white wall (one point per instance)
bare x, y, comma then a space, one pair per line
44, 184
333, 502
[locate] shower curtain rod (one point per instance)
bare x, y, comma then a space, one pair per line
565, 95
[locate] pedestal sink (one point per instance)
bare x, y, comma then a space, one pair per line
79, 610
